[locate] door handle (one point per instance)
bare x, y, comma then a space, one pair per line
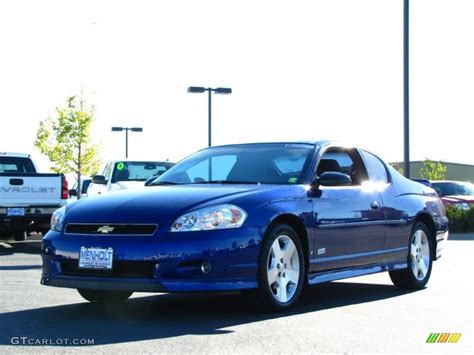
16, 182
374, 205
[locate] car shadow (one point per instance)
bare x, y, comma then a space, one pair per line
10, 247
171, 315
20, 267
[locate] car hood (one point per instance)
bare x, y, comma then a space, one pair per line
163, 204
457, 199
124, 185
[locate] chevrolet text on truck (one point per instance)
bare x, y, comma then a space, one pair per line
27, 198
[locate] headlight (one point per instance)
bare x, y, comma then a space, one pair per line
57, 219
210, 218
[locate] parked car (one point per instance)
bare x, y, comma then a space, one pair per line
27, 198
126, 174
85, 182
265, 217
455, 193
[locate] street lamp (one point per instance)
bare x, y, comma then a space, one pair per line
200, 90
126, 129
406, 87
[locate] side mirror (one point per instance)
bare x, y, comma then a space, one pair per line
332, 178
99, 179
72, 192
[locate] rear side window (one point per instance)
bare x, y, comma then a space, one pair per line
375, 168
16, 165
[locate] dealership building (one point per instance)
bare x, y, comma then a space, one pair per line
455, 171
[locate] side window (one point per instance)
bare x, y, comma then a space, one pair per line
104, 170
346, 161
107, 171
375, 167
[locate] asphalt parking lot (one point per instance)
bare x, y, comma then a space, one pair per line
365, 314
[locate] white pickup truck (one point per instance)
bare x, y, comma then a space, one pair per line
125, 174
27, 198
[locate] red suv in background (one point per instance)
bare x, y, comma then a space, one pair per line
455, 193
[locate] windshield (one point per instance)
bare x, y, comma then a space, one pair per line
272, 163
138, 171
453, 188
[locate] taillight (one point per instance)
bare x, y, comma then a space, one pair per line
64, 188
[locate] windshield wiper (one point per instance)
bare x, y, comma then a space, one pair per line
230, 182
164, 183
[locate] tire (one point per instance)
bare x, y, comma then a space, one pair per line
419, 260
281, 269
20, 236
104, 296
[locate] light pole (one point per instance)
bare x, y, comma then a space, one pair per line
406, 78
126, 129
199, 90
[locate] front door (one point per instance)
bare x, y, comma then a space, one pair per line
349, 220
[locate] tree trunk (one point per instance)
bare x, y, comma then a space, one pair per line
79, 185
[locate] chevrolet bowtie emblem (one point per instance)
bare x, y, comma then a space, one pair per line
105, 229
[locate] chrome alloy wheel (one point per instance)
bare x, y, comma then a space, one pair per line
420, 255
283, 269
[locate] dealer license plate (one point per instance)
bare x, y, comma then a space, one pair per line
96, 258
15, 211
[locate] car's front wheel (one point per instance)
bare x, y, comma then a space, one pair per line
420, 260
281, 269
104, 296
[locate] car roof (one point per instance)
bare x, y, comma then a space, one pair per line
449, 181
139, 161
320, 143
16, 155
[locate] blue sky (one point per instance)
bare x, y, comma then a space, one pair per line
298, 69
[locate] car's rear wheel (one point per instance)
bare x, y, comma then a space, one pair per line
420, 260
104, 296
20, 236
280, 269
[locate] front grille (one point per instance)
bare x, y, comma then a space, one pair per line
112, 229
120, 269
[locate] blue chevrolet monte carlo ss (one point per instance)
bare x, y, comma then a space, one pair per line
266, 217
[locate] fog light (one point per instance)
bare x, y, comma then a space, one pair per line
206, 267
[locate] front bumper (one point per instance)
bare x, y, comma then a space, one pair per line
168, 262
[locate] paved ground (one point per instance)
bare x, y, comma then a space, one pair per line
365, 314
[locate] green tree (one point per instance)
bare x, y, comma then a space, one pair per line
433, 170
65, 140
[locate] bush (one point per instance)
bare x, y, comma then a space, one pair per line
460, 220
